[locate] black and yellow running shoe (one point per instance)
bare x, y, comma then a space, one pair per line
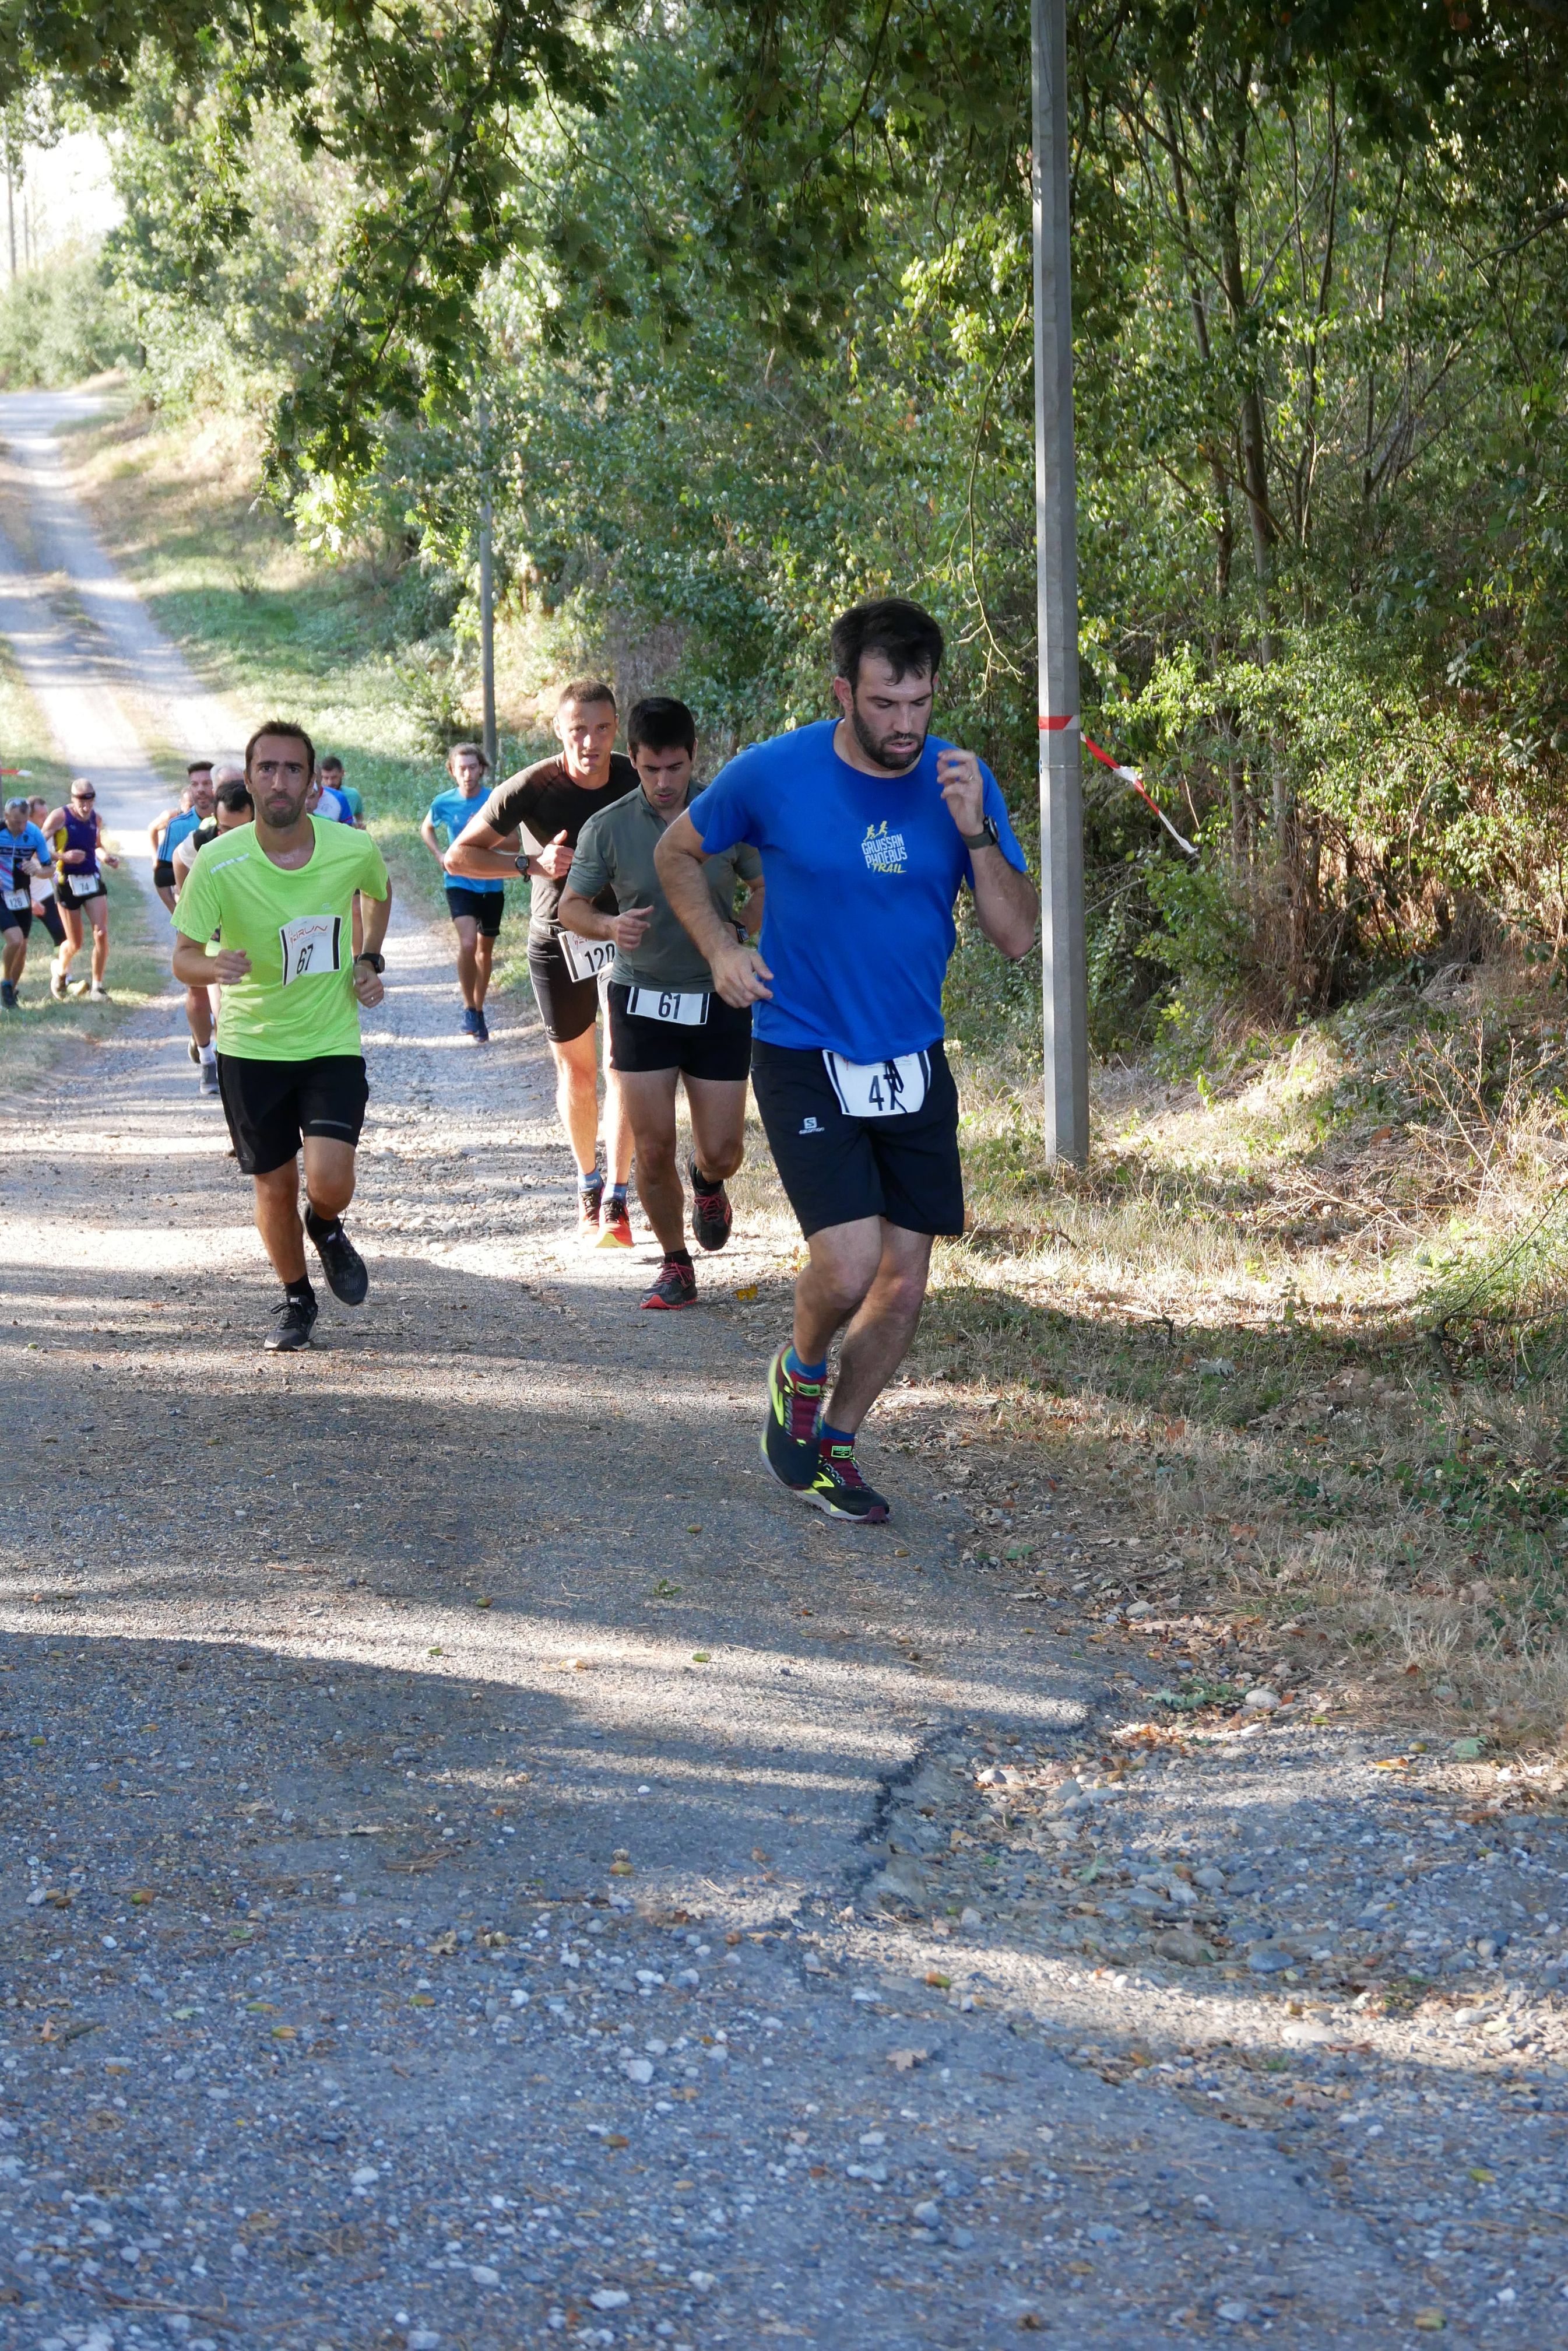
789, 1439
840, 1490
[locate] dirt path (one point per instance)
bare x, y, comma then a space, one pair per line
482, 1866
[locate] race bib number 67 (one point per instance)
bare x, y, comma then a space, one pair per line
311, 944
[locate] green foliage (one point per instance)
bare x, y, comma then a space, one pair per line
63, 322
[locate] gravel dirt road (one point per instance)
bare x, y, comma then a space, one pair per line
481, 1866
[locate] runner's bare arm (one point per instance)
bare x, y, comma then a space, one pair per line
54, 829
1006, 902
378, 913
428, 835
750, 913
193, 968
157, 828
590, 922
739, 973
487, 855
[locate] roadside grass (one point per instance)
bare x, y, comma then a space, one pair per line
1302, 1339
278, 633
34, 1036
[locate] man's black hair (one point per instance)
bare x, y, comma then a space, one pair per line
906, 637
291, 732
660, 723
330, 760
198, 767
233, 797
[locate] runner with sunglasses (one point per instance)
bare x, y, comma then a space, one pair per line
75, 833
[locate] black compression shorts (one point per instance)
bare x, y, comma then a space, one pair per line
836, 1168
568, 1007
485, 908
164, 874
271, 1104
719, 1048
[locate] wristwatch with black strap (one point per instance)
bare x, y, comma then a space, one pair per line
987, 837
378, 963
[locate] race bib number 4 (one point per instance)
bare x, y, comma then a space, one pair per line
879, 1089
83, 885
585, 958
16, 899
688, 1010
312, 944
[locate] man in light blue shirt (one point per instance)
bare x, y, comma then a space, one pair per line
475, 906
23, 852
868, 828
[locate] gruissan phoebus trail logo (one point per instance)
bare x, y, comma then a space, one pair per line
884, 852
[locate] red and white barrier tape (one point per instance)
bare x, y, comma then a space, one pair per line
1128, 776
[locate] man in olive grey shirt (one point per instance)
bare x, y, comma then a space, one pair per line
667, 1024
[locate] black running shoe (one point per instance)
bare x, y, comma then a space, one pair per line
712, 1215
8, 994
481, 1026
789, 1439
676, 1286
340, 1260
294, 1319
840, 1490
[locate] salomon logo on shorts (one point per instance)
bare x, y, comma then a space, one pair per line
812, 1127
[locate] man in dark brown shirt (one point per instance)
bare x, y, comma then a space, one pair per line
549, 803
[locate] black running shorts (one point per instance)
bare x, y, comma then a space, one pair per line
271, 1104
16, 918
485, 908
69, 897
836, 1169
566, 1005
719, 1048
164, 874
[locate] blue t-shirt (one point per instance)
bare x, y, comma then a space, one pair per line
862, 874
15, 848
179, 827
454, 809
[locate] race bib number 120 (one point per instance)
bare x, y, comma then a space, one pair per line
889, 1089
311, 944
585, 958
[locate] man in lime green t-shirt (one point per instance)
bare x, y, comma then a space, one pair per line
267, 914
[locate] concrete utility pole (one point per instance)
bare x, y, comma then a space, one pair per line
486, 598
1055, 525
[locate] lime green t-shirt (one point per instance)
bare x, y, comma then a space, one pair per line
298, 1003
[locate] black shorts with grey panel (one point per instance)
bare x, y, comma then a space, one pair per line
837, 1168
270, 1105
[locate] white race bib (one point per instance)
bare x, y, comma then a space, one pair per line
879, 1089
688, 1010
311, 944
585, 958
83, 885
16, 899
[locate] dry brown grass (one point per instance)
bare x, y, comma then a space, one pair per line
1221, 1340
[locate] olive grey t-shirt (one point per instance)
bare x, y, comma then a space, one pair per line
615, 851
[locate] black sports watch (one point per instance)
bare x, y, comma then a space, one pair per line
987, 837
375, 962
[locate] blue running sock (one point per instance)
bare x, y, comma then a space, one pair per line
592, 1182
834, 1436
811, 1373
618, 1195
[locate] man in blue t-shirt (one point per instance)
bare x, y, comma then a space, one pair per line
868, 828
23, 852
475, 906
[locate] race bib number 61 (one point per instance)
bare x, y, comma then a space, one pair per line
311, 944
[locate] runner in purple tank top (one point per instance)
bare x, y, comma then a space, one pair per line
75, 833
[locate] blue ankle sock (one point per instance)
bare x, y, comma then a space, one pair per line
592, 1182
799, 1370
618, 1195
834, 1436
